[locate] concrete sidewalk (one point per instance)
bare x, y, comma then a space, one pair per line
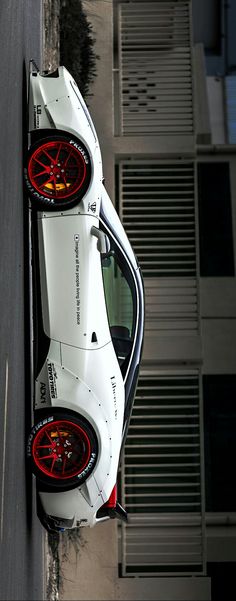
51, 34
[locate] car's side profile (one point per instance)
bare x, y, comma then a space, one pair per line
88, 311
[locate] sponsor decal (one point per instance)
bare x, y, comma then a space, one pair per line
77, 277
92, 207
42, 392
37, 112
113, 384
52, 376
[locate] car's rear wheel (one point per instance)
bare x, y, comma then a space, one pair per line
58, 172
62, 448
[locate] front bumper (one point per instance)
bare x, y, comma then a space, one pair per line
55, 102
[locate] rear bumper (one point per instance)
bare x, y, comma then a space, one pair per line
50, 522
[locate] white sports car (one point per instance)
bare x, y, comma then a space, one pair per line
88, 312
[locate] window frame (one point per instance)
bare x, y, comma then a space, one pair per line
123, 265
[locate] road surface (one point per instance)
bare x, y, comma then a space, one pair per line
22, 537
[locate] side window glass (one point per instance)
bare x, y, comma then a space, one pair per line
120, 307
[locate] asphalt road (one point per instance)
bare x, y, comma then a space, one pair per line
21, 534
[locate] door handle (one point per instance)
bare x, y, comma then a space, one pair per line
103, 242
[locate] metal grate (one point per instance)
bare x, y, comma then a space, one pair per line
172, 305
157, 208
154, 68
161, 477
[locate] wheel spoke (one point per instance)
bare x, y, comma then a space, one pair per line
41, 173
53, 463
49, 437
45, 446
67, 159
46, 457
48, 155
59, 435
64, 180
39, 162
48, 181
55, 184
58, 152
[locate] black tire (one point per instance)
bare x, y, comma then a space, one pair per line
59, 429
43, 193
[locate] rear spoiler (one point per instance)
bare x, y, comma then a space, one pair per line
112, 508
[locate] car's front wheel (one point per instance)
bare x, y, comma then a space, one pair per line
58, 172
62, 448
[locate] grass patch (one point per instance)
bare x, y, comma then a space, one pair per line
77, 44
59, 547
54, 576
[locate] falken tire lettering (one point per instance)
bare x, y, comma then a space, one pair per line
81, 150
88, 467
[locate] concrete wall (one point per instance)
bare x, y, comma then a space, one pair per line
93, 574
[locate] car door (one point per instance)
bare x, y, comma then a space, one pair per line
73, 303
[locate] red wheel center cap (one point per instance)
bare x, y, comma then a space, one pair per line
60, 450
56, 171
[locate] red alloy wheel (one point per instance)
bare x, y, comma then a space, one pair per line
57, 169
61, 449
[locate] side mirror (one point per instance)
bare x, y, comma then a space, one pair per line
103, 242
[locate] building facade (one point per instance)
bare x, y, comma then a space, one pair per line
164, 105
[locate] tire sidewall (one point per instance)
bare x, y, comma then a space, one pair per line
74, 481
41, 201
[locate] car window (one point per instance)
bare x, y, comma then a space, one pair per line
120, 307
